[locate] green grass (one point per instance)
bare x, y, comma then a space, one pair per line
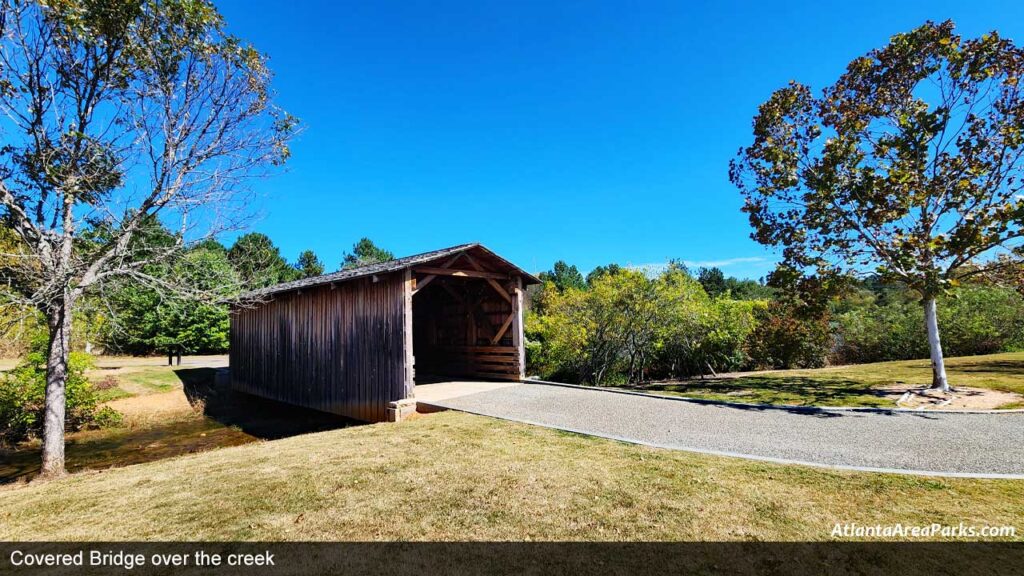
108, 394
152, 379
856, 385
141, 380
454, 476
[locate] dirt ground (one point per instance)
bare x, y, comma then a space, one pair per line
959, 398
152, 408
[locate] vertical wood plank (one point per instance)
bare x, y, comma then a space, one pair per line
408, 354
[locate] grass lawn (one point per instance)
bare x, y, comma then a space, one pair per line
453, 476
856, 385
134, 376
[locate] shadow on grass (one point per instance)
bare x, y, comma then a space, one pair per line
259, 417
1015, 367
114, 448
224, 418
794, 394
795, 390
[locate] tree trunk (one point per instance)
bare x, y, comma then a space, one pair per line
931, 321
59, 321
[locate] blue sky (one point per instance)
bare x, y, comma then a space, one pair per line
588, 131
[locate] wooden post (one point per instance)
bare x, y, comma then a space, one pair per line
410, 358
518, 338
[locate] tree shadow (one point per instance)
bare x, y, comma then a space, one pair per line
115, 448
818, 411
229, 419
788, 391
995, 366
817, 397
207, 390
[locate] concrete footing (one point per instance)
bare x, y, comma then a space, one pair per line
401, 409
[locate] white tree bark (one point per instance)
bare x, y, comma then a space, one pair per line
58, 354
931, 321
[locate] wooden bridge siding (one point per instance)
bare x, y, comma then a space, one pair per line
340, 349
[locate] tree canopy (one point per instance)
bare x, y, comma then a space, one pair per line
309, 264
365, 252
713, 281
259, 262
563, 276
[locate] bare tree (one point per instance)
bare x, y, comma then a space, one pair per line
116, 113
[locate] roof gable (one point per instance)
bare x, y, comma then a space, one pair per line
391, 266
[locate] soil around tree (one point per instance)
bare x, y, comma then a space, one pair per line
958, 398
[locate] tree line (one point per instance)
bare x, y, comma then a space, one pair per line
619, 325
140, 318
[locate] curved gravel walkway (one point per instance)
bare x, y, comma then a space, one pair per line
973, 445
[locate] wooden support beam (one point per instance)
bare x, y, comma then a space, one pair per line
476, 265
504, 327
429, 279
494, 283
407, 350
501, 291
459, 273
420, 285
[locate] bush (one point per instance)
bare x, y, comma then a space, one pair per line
981, 320
972, 320
626, 327
23, 394
785, 339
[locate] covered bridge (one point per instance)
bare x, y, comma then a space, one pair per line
356, 342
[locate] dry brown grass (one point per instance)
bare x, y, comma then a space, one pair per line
453, 476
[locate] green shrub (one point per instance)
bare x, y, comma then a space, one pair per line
107, 417
23, 395
784, 339
973, 320
628, 327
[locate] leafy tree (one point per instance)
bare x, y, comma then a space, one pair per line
908, 166
363, 253
212, 245
629, 327
602, 271
698, 334
748, 289
150, 320
309, 265
983, 320
116, 112
713, 281
564, 276
259, 262
587, 333
1007, 271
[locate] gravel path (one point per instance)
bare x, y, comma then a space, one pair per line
981, 445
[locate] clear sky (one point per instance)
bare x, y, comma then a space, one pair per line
588, 131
